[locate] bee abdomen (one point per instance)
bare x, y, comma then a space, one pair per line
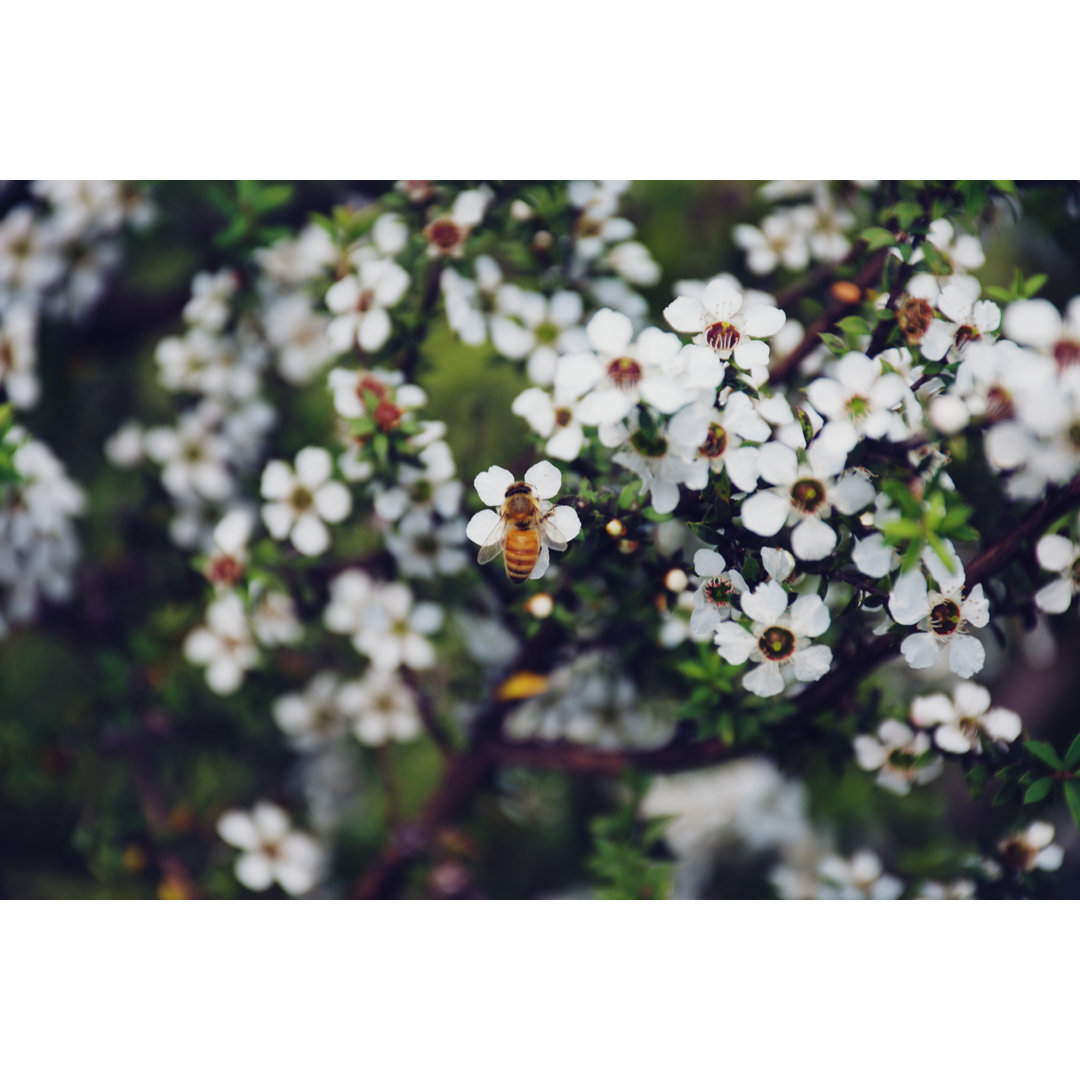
520, 554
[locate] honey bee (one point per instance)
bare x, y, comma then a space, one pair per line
525, 527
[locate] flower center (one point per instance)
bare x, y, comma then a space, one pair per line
999, 404
722, 336
715, 444
650, 446
718, 591
366, 299
445, 234
902, 760
945, 618
858, 406
808, 495
1066, 353
547, 333
301, 499
777, 643
914, 318
421, 492
387, 415
563, 416
966, 334
225, 570
624, 372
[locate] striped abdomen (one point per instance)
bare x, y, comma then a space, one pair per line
521, 549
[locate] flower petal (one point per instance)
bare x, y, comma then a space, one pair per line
491, 485
545, 479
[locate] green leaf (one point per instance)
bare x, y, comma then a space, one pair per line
854, 326
1072, 797
906, 213
876, 237
1072, 755
1038, 791
1034, 284
1045, 753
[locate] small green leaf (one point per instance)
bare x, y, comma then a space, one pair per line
1034, 284
1045, 753
1072, 755
1038, 791
854, 326
1072, 797
876, 237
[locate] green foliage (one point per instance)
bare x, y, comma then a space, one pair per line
621, 862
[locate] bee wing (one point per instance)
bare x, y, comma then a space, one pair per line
550, 533
493, 544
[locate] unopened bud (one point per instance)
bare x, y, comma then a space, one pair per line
615, 528
676, 580
847, 292
627, 547
520, 210
543, 240
540, 606
948, 414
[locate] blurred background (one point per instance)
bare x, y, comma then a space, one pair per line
116, 761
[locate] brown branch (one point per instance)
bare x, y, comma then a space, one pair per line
828, 319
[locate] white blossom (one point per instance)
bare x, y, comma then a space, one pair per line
273, 851
301, 501
962, 723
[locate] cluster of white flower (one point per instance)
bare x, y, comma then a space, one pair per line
792, 236
38, 546
589, 702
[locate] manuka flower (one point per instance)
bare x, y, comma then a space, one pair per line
301, 502
900, 757
943, 617
960, 725
778, 640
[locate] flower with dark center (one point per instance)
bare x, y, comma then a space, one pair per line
722, 336
716, 442
945, 618
999, 405
777, 643
719, 591
1066, 353
624, 372
649, 446
445, 234
808, 495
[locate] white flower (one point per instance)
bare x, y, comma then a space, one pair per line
541, 328
961, 724
384, 708
715, 594
1032, 849
301, 501
351, 593
943, 617
314, 717
720, 322
361, 304
228, 557
729, 427
778, 640
620, 373
273, 618
961, 889
1039, 324
555, 418
782, 239
667, 457
901, 757
424, 547
394, 631
859, 400
969, 319
447, 234
1061, 556
857, 878
273, 850
558, 524
193, 459
802, 496
18, 356
224, 645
